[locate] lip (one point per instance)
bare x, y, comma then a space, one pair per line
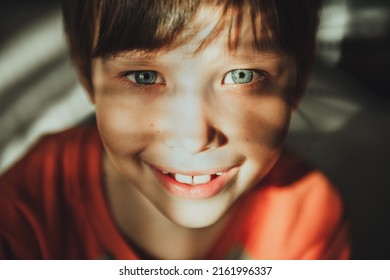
200, 191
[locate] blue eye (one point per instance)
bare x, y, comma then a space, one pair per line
240, 76
145, 77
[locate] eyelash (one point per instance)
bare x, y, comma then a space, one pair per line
123, 77
259, 84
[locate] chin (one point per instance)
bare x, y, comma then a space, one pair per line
194, 216
194, 224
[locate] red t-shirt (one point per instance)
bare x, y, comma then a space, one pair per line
52, 206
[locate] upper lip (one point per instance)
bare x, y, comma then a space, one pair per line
192, 172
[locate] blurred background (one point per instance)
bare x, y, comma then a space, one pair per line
342, 125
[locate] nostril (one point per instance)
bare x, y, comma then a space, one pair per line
216, 139
222, 139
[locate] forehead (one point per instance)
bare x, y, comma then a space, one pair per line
234, 28
210, 31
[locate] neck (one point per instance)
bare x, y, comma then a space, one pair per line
147, 230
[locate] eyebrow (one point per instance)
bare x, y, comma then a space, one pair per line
149, 58
137, 58
147, 61
264, 47
138, 54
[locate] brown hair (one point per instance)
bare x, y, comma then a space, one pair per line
100, 28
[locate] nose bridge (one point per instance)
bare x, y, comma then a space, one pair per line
190, 127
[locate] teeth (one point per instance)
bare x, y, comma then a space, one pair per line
164, 172
183, 179
192, 180
202, 179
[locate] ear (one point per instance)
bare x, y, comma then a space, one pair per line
299, 92
300, 89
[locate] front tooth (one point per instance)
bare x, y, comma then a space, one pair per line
202, 179
183, 179
219, 173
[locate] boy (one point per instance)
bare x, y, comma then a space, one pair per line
193, 101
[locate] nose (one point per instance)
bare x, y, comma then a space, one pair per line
190, 127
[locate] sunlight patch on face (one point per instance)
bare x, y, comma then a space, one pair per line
200, 29
199, 213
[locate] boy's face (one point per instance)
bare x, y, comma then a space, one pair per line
192, 132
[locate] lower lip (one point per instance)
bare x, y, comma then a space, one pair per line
201, 191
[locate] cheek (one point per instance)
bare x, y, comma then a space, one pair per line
125, 127
258, 134
261, 125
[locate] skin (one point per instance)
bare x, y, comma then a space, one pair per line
193, 119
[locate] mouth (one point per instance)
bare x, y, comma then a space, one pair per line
196, 185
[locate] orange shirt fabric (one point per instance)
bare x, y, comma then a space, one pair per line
53, 206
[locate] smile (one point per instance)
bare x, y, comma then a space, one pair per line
196, 185
193, 180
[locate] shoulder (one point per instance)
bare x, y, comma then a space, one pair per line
48, 159
34, 193
302, 182
303, 212
301, 187
50, 151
